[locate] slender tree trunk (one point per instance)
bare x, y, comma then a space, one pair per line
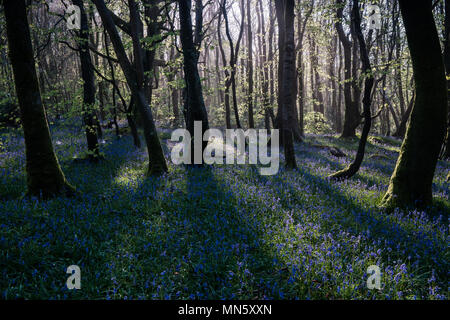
339, 99
226, 92
251, 121
411, 182
270, 61
333, 77
87, 74
317, 90
301, 26
44, 175
174, 88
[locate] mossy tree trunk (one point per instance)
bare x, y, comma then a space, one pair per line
411, 182
44, 175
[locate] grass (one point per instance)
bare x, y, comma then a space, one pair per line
221, 232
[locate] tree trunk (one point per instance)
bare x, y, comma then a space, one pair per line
227, 75
351, 117
234, 51
87, 74
411, 182
44, 175
291, 112
195, 105
251, 121
264, 65
446, 153
287, 90
174, 88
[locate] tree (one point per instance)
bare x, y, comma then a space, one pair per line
351, 117
234, 51
367, 100
291, 111
251, 121
301, 27
87, 74
287, 90
195, 104
135, 79
44, 175
411, 182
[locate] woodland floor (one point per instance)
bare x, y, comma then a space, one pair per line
222, 232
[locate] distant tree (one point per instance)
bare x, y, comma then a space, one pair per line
44, 175
411, 182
